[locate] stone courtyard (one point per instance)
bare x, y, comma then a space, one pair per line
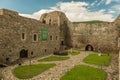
22, 37
62, 67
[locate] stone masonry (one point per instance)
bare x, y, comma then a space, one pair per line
103, 36
17, 36
22, 37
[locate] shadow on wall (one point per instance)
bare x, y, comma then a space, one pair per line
89, 48
67, 35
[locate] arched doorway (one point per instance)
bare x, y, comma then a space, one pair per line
88, 48
23, 53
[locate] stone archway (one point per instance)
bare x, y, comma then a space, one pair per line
24, 53
88, 48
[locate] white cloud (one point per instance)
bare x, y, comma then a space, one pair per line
111, 11
109, 1
116, 7
36, 15
75, 11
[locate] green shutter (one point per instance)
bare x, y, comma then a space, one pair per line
44, 35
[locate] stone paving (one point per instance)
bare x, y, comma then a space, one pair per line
112, 69
55, 73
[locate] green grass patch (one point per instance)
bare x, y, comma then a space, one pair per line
74, 52
29, 71
83, 72
54, 58
90, 22
103, 60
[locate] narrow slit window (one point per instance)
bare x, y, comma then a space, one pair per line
50, 22
50, 37
35, 37
45, 50
23, 36
62, 42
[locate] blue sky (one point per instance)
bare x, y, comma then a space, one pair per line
75, 10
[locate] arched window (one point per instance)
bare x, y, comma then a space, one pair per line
43, 21
50, 22
35, 37
62, 43
51, 37
23, 36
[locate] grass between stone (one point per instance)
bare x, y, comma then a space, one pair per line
75, 52
103, 60
29, 71
83, 72
54, 58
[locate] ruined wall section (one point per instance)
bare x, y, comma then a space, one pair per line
8, 12
61, 21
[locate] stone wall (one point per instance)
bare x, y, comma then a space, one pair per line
8, 12
62, 34
59, 19
11, 43
102, 36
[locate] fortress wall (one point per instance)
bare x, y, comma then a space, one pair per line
11, 29
7, 12
99, 35
102, 36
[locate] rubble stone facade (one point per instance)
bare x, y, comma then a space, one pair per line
103, 36
22, 37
